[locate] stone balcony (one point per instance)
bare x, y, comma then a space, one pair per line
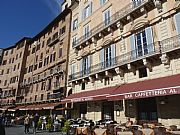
159, 50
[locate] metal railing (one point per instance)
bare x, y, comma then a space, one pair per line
113, 19
54, 96
170, 44
120, 60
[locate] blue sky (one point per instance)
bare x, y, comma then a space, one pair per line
25, 18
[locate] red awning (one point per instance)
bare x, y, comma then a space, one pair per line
149, 88
100, 94
3, 108
17, 108
46, 106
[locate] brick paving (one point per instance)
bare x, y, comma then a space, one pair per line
19, 130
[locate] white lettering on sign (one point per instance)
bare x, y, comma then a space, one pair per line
150, 93
81, 99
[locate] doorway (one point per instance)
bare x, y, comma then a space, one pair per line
108, 111
147, 110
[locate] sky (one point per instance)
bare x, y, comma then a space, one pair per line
25, 18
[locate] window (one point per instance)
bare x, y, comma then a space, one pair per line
106, 16
85, 65
54, 56
136, 2
2, 72
40, 64
106, 81
60, 52
142, 43
6, 53
35, 67
36, 58
38, 47
20, 54
18, 66
48, 41
4, 62
74, 39
41, 56
33, 50
12, 51
55, 36
107, 56
37, 86
51, 58
5, 82
10, 61
102, 2
35, 98
83, 86
87, 11
75, 24
7, 71
42, 44
42, 96
142, 72
63, 30
30, 69
43, 85
86, 31
49, 84
14, 68
16, 56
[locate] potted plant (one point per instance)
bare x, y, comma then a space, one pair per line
66, 128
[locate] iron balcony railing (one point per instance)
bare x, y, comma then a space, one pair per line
112, 20
170, 44
54, 96
120, 60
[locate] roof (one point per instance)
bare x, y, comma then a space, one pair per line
51, 24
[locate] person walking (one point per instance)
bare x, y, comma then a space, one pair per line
35, 123
26, 124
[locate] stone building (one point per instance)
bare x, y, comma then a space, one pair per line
124, 60
12, 70
46, 65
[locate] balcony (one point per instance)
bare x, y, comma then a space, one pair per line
121, 60
55, 96
53, 41
118, 16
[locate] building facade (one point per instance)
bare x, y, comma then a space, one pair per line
116, 50
12, 71
47, 61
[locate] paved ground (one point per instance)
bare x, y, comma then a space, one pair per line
19, 130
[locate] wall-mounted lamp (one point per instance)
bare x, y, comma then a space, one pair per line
163, 101
117, 112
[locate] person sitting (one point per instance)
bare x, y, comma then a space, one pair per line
128, 123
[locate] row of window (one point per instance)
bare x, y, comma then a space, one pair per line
141, 44
8, 70
47, 60
12, 80
12, 60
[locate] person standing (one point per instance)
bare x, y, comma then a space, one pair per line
35, 122
26, 124
2, 127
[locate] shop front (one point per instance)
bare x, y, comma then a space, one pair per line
149, 101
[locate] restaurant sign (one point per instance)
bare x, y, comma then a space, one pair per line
151, 93
82, 99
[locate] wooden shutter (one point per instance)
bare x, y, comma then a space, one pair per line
133, 48
149, 38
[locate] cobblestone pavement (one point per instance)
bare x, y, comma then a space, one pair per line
19, 130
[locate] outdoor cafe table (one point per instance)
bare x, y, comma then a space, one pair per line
125, 133
99, 131
175, 132
147, 131
81, 130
